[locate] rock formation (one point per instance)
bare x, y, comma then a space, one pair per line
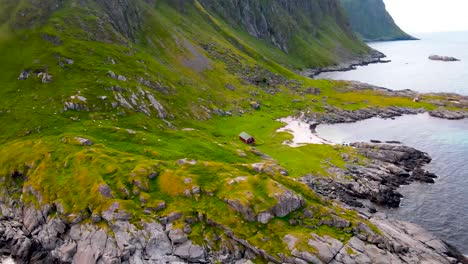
442, 58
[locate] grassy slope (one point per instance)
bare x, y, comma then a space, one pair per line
37, 137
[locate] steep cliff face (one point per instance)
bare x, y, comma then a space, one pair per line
311, 31
370, 19
279, 21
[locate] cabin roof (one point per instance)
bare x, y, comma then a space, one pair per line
245, 135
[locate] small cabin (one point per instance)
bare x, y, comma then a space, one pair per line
246, 138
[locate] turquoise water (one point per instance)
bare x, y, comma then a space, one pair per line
442, 208
410, 67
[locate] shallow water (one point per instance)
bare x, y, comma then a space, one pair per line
410, 67
442, 208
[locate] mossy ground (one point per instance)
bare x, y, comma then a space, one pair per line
37, 135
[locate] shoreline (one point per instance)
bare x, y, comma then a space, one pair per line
55, 238
391, 165
375, 57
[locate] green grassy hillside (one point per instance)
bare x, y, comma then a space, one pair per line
108, 101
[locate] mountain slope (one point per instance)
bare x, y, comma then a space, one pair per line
119, 141
311, 33
370, 19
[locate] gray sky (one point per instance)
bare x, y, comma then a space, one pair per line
416, 16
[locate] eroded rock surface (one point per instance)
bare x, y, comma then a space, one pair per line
389, 166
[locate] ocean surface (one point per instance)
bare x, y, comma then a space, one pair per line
410, 67
441, 208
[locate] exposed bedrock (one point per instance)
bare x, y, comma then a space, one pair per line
377, 180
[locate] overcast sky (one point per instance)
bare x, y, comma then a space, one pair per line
416, 16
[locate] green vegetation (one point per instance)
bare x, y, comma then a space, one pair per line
370, 19
187, 80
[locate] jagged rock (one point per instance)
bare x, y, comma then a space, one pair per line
115, 213
96, 218
403, 243
24, 75
237, 180
171, 217
290, 240
65, 252
264, 217
442, 58
45, 77
52, 39
122, 78
111, 74
230, 87
196, 190
177, 236
245, 210
68, 61
255, 105
333, 115
187, 229
105, 191
288, 202
77, 103
158, 207
306, 257
84, 141
389, 167
423, 176
336, 222
448, 114
162, 113
50, 233
326, 246
190, 252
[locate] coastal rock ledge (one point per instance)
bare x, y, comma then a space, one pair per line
377, 180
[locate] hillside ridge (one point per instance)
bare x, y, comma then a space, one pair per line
371, 20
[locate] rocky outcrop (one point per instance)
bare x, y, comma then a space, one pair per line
286, 202
442, 58
449, 114
398, 242
389, 167
42, 236
333, 115
373, 57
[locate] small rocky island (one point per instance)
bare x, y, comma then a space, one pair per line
442, 58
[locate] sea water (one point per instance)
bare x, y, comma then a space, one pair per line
410, 67
441, 208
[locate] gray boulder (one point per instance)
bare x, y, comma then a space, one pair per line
442, 58
288, 202
190, 252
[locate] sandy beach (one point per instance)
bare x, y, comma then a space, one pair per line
302, 135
